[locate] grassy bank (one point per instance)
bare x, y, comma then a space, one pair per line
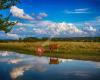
75, 50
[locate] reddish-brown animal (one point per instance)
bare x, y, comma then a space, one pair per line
39, 50
53, 47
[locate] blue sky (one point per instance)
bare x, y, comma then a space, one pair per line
67, 18
57, 9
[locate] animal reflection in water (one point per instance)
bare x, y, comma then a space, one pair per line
54, 60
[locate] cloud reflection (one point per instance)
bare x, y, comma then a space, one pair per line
19, 71
97, 64
65, 60
14, 61
33, 64
4, 53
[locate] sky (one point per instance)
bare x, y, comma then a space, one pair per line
54, 18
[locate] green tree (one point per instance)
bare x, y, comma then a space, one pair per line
5, 24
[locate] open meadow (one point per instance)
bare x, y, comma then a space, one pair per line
74, 50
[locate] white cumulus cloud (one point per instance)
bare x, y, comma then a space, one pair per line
89, 27
17, 12
40, 16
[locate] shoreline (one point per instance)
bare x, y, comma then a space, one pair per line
72, 50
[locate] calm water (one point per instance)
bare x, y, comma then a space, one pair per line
14, 66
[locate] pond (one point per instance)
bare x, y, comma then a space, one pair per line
15, 66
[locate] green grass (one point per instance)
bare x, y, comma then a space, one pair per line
75, 50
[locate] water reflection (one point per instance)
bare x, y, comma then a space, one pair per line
14, 66
4, 53
54, 61
19, 71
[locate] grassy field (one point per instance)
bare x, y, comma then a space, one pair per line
74, 50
